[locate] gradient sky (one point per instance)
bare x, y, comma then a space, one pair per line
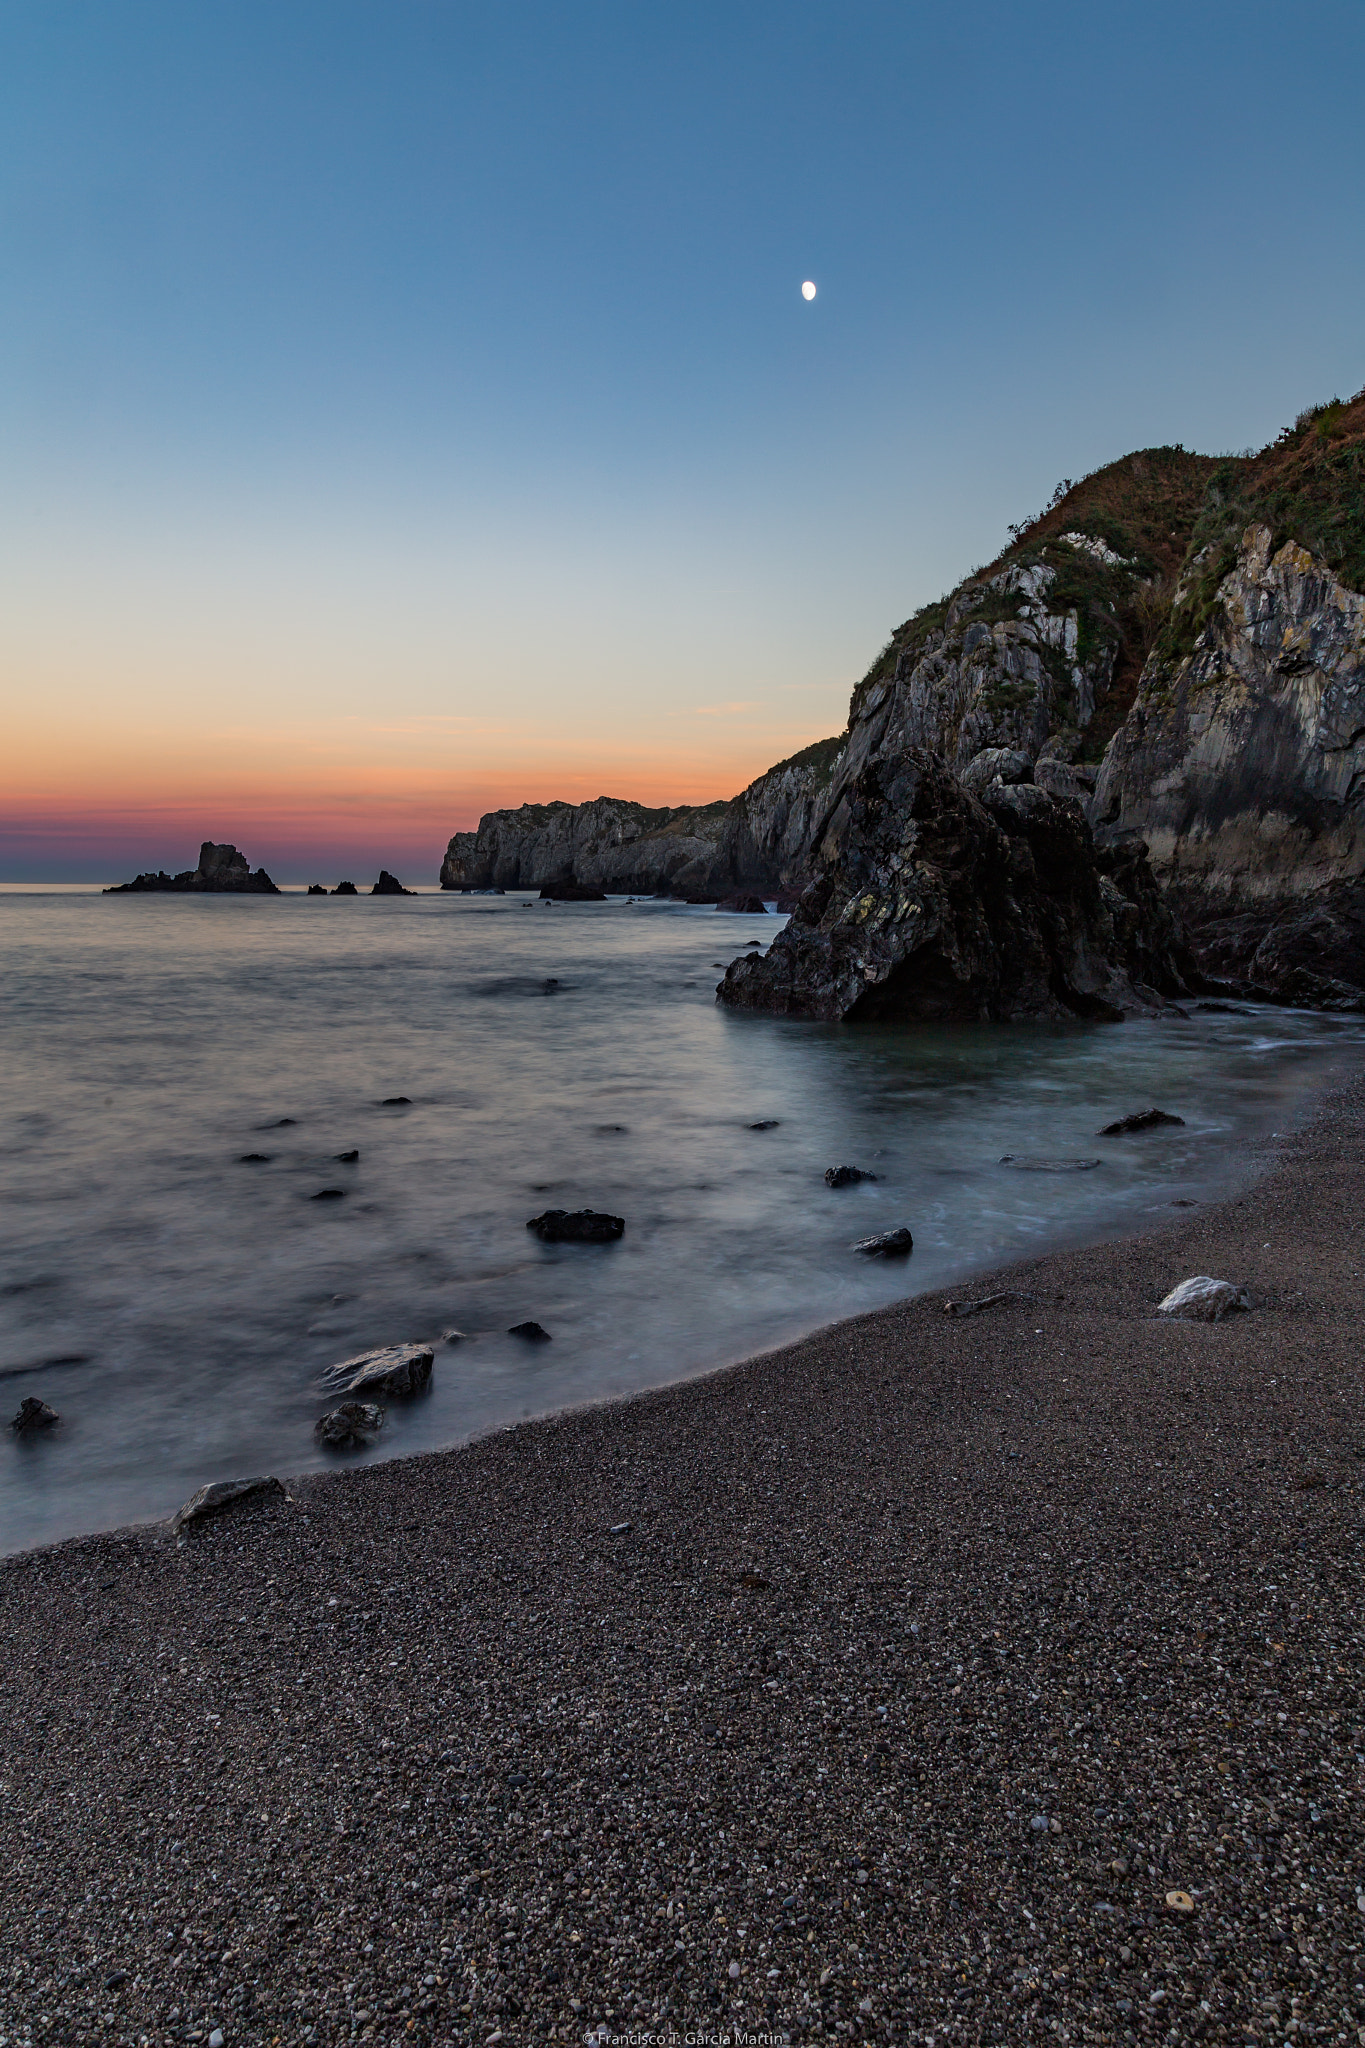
410, 408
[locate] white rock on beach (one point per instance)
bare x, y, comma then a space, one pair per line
395, 1369
1204, 1299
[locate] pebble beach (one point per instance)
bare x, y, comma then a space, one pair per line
971, 1679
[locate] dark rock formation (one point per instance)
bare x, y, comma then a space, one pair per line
887, 1244
347, 1158
316, 889
345, 889
329, 1195
846, 1176
930, 904
221, 871
577, 1226
745, 905
222, 1495
389, 885
1306, 952
396, 1370
33, 1415
530, 1333
1140, 1120
350, 1427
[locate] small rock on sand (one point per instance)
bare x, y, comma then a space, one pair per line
1203, 1299
1140, 1120
398, 1370
846, 1176
222, 1494
34, 1414
351, 1426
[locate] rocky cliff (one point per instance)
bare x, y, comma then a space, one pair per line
222, 871
758, 841
930, 903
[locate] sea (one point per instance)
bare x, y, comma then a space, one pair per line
180, 1078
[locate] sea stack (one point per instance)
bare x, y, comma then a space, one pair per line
222, 871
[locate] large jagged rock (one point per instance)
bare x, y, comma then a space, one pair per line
1242, 763
758, 841
221, 871
931, 903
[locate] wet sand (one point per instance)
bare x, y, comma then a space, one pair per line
880, 1688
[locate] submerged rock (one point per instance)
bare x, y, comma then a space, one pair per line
221, 871
530, 1333
1204, 1299
1024, 1162
222, 1495
846, 1176
887, 1244
34, 1414
398, 1370
931, 905
351, 1426
577, 1226
1140, 1120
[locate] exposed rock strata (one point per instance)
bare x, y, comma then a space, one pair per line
1242, 764
221, 871
931, 904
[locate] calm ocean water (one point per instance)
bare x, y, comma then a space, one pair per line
179, 1304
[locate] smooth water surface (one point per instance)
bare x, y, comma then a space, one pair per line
180, 1303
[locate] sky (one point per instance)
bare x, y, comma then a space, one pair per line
409, 409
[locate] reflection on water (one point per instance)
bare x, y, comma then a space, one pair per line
561, 1057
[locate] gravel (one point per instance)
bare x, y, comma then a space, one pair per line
879, 1689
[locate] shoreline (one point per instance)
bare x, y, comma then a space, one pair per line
775, 1753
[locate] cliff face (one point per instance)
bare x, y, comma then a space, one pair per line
759, 841
1241, 761
930, 904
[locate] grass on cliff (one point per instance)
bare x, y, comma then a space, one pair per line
1158, 509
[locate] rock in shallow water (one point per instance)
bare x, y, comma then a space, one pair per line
1204, 1300
1024, 1163
887, 1244
351, 1426
34, 1414
930, 904
399, 1370
846, 1176
530, 1333
577, 1226
1141, 1120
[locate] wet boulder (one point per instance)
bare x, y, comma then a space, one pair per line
846, 1176
350, 1427
887, 1244
396, 1370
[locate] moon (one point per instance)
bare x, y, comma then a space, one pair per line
808, 291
